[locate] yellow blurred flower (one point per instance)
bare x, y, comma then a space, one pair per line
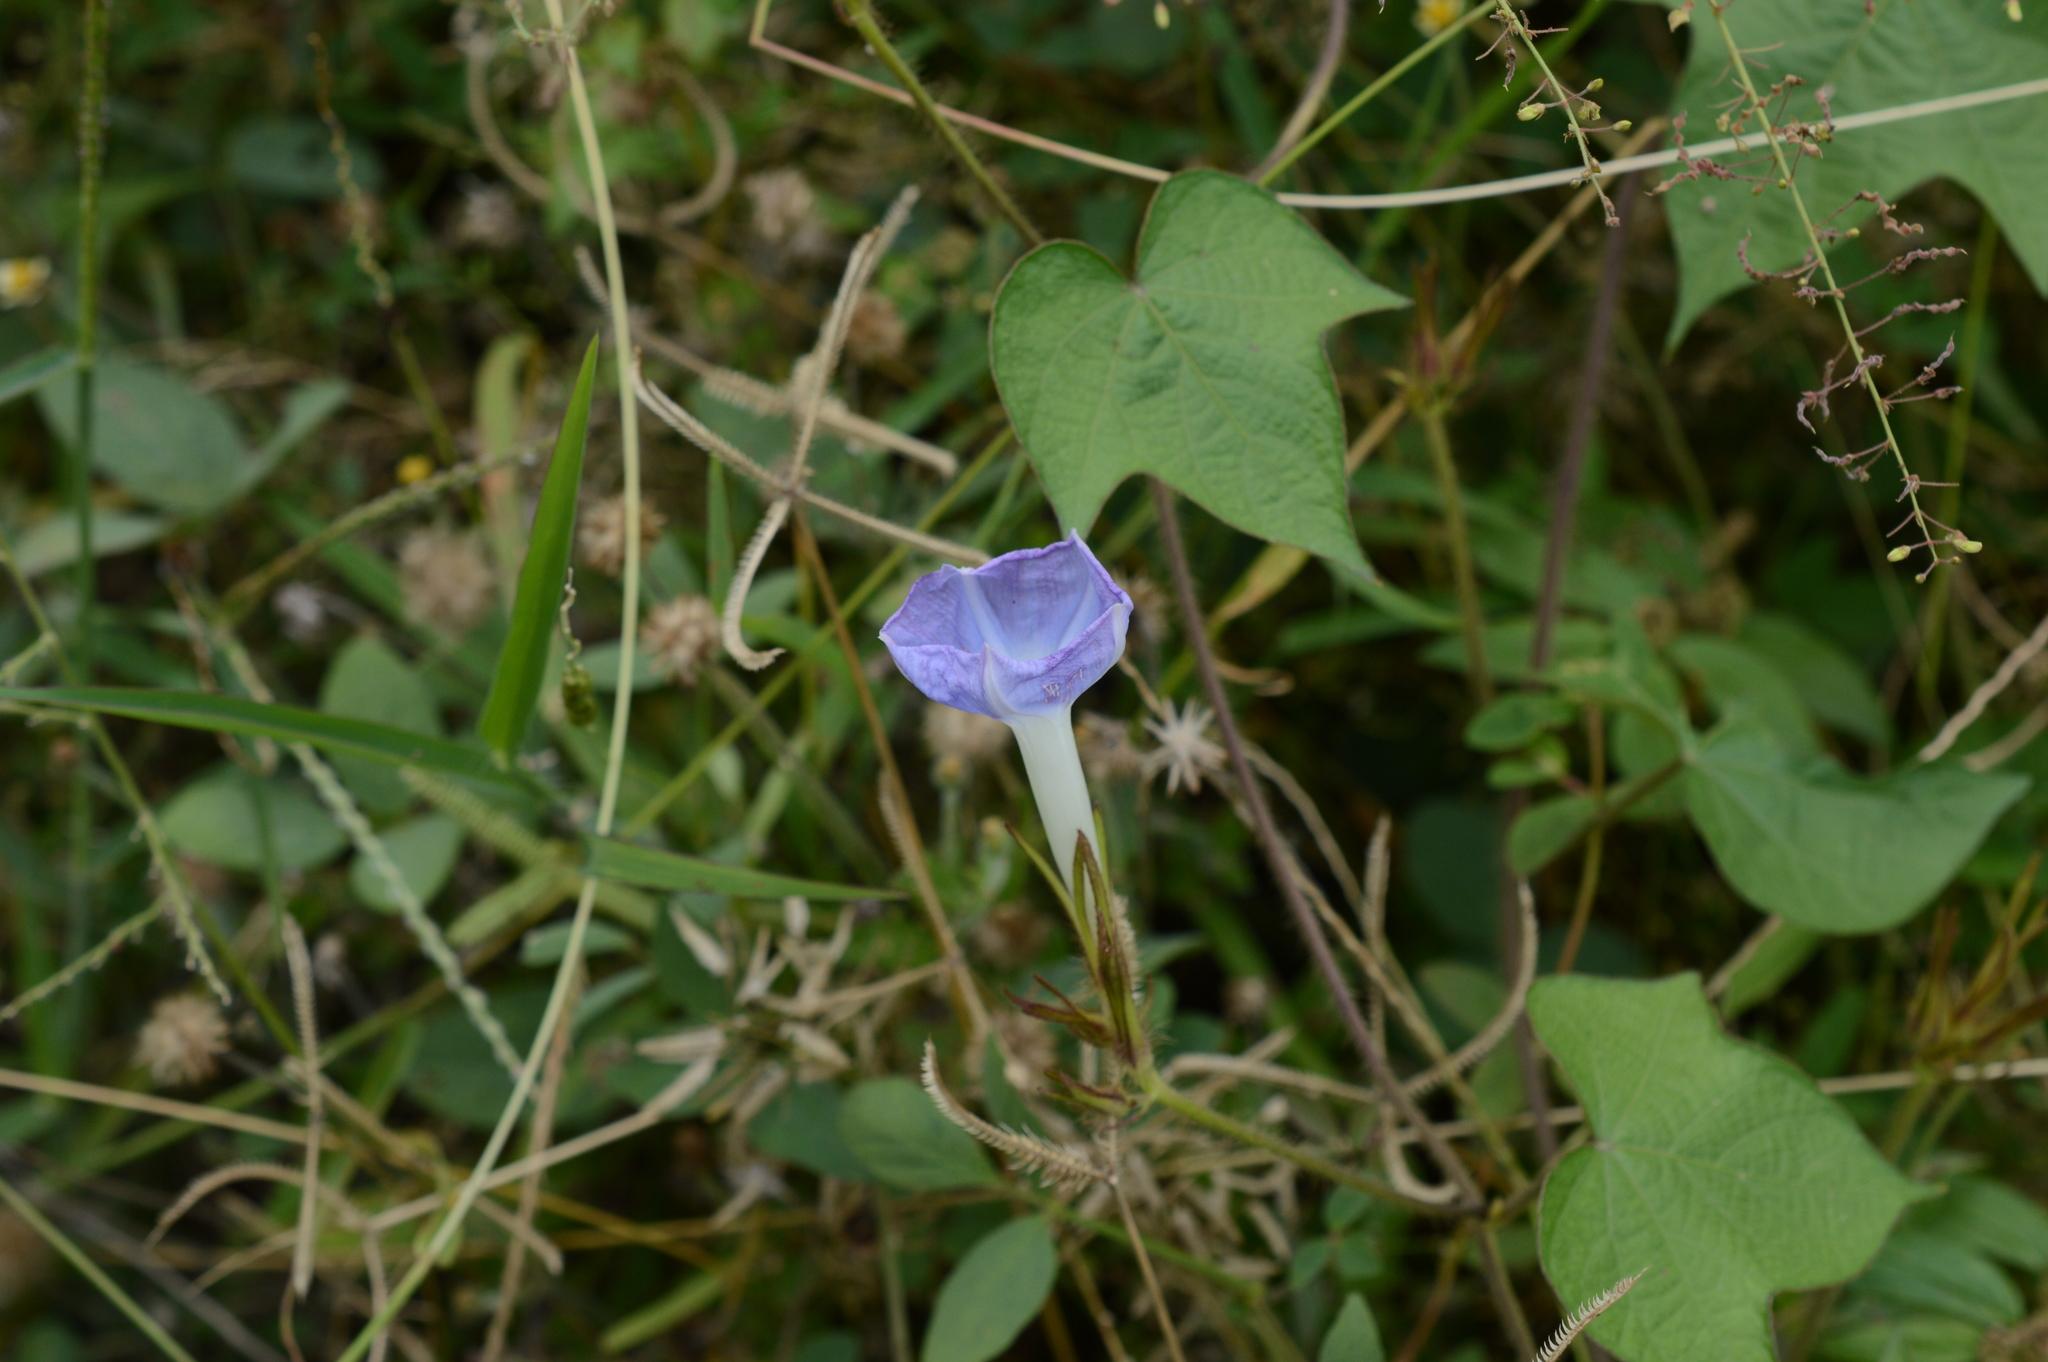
22, 280
1434, 16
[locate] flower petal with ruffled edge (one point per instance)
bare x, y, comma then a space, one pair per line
1023, 634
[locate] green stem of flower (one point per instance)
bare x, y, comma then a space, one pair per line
1052, 762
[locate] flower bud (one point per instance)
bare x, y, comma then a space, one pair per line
1898, 555
1529, 113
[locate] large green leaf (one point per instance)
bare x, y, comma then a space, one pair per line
658, 869
53, 541
1207, 371
285, 723
424, 851
899, 1135
1828, 851
994, 1291
1717, 1169
369, 681
1892, 52
1835, 689
152, 433
217, 819
515, 683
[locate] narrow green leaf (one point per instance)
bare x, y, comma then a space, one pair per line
1717, 1170
893, 1128
305, 411
515, 683
1826, 850
285, 723
25, 375
993, 1292
658, 869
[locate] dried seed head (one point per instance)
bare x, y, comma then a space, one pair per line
1107, 752
301, 611
679, 636
876, 331
1010, 935
601, 533
179, 1042
446, 582
957, 738
1185, 751
486, 217
783, 204
1151, 611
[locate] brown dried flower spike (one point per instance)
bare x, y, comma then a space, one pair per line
601, 533
179, 1042
446, 582
679, 636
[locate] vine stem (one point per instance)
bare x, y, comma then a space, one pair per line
861, 14
554, 1014
1372, 91
1277, 859
1740, 63
1312, 94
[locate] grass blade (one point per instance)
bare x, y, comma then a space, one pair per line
24, 376
285, 723
657, 869
516, 681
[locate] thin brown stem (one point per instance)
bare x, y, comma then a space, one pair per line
1564, 497
1277, 859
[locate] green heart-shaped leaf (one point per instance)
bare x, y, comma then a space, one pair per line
1717, 1170
1207, 370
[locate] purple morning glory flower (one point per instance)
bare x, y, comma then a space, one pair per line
1019, 639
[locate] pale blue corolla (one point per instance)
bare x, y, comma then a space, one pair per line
1018, 639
